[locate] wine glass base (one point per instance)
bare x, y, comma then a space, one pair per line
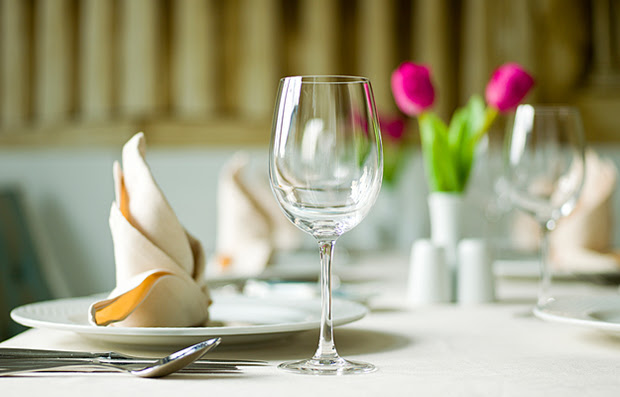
543, 302
337, 366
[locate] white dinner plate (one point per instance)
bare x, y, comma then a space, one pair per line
237, 319
530, 268
527, 268
597, 312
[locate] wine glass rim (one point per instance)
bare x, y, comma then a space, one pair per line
550, 107
328, 79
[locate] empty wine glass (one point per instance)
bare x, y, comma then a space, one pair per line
325, 168
544, 167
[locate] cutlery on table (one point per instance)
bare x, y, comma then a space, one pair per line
10, 354
159, 368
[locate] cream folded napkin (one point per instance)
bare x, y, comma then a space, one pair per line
159, 266
582, 241
250, 225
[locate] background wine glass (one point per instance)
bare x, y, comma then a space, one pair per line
325, 168
544, 167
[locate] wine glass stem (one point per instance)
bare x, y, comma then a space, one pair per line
326, 349
545, 272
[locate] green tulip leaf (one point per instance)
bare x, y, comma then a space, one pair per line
449, 150
439, 163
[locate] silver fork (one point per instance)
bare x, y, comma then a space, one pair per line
162, 367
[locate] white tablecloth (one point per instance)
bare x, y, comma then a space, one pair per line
497, 349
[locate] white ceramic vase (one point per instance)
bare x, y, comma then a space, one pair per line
445, 211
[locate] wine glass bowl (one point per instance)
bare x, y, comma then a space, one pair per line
544, 167
325, 170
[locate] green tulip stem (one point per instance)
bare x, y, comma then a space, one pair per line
490, 115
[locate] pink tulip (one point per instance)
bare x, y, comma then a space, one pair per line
392, 128
412, 88
508, 86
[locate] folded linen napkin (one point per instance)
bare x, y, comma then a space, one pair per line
159, 265
582, 241
250, 226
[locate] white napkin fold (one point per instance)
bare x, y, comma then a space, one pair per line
159, 265
581, 242
250, 225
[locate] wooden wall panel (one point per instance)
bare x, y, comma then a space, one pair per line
96, 52
94, 71
15, 63
194, 56
54, 78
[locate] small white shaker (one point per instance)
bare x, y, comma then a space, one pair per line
429, 275
476, 281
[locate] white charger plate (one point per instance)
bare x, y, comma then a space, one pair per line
237, 319
597, 312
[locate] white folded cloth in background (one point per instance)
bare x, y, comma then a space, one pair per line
250, 225
582, 241
159, 266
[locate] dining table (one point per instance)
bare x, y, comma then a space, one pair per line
497, 348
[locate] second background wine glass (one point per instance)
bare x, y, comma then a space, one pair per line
544, 170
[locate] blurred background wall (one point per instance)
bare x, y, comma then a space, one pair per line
199, 77
206, 71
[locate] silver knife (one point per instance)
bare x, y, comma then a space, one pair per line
9, 353
91, 365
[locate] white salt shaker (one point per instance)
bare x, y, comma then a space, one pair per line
429, 275
476, 282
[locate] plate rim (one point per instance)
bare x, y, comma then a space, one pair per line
504, 267
356, 311
581, 318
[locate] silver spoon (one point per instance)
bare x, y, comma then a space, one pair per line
162, 367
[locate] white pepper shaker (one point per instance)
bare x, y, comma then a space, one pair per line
429, 275
476, 281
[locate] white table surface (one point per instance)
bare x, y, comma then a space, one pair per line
497, 349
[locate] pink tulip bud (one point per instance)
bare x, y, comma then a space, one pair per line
508, 86
412, 88
392, 128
